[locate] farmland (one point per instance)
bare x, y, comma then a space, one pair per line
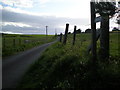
13, 43
68, 66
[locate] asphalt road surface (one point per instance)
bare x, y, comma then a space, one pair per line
14, 67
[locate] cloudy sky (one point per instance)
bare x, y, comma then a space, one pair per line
31, 16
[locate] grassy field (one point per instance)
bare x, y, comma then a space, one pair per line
13, 44
68, 66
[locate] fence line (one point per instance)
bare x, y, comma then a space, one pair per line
66, 32
74, 35
61, 37
93, 28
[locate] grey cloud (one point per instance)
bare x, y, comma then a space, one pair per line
38, 21
16, 29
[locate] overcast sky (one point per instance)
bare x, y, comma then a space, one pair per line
31, 16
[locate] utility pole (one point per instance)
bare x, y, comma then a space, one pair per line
55, 31
46, 30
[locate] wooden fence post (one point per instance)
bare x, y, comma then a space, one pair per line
104, 38
93, 28
60, 37
66, 32
97, 37
74, 35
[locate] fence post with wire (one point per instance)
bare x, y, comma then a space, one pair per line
74, 35
66, 32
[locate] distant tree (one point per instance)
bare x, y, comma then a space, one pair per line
78, 31
118, 10
55, 34
115, 29
69, 32
105, 8
88, 31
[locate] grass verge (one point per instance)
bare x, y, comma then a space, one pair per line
66, 66
13, 44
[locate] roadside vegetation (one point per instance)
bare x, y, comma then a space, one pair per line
68, 66
13, 43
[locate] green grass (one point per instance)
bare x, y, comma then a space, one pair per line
68, 66
13, 44
115, 44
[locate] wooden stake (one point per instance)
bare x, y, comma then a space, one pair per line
66, 32
61, 37
93, 28
74, 35
104, 38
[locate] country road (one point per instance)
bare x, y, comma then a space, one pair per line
14, 67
